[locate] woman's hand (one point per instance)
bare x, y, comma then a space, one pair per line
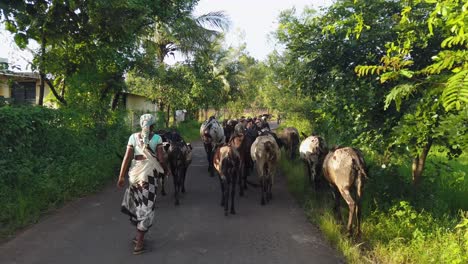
124, 167
121, 182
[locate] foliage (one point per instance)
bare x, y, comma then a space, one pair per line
426, 29
51, 156
314, 78
189, 130
84, 49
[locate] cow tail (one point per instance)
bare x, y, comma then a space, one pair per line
269, 148
360, 168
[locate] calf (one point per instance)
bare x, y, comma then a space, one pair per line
266, 154
313, 151
161, 178
226, 161
179, 158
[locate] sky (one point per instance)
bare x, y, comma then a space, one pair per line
252, 21
255, 20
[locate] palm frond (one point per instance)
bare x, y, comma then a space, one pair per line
215, 20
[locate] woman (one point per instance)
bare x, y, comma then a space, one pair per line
144, 149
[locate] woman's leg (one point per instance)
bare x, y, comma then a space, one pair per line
139, 247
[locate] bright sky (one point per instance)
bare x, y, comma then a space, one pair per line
255, 19
252, 22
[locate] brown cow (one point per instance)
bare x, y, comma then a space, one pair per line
290, 139
226, 162
345, 170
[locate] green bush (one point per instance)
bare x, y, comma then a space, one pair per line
50, 156
189, 130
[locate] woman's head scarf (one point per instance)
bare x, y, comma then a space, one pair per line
146, 121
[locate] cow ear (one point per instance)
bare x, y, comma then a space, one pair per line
166, 146
189, 145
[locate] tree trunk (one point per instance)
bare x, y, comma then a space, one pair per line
41, 69
52, 88
161, 105
41, 89
115, 101
419, 162
174, 122
196, 115
168, 115
62, 92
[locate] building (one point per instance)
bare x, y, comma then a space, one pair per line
21, 87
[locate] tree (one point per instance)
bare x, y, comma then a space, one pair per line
82, 43
427, 66
185, 34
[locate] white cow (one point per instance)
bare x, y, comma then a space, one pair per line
313, 150
212, 135
180, 115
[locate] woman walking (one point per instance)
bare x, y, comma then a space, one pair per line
144, 149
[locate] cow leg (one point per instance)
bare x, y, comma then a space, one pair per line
308, 171
270, 186
226, 184
183, 179
336, 207
210, 164
263, 186
176, 177
352, 206
358, 204
163, 184
209, 157
233, 193
246, 172
222, 190
314, 176
240, 177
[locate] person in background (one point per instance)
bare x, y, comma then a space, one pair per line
144, 150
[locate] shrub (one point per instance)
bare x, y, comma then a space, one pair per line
50, 156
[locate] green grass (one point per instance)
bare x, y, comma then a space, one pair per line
189, 130
399, 225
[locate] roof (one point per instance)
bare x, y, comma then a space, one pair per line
30, 75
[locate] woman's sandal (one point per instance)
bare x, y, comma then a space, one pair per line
137, 251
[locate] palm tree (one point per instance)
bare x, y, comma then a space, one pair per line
186, 34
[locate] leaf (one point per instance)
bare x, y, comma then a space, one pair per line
455, 93
388, 76
21, 40
10, 27
398, 93
406, 73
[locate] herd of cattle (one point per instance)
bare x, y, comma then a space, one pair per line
235, 147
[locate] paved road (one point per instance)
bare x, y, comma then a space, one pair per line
92, 229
